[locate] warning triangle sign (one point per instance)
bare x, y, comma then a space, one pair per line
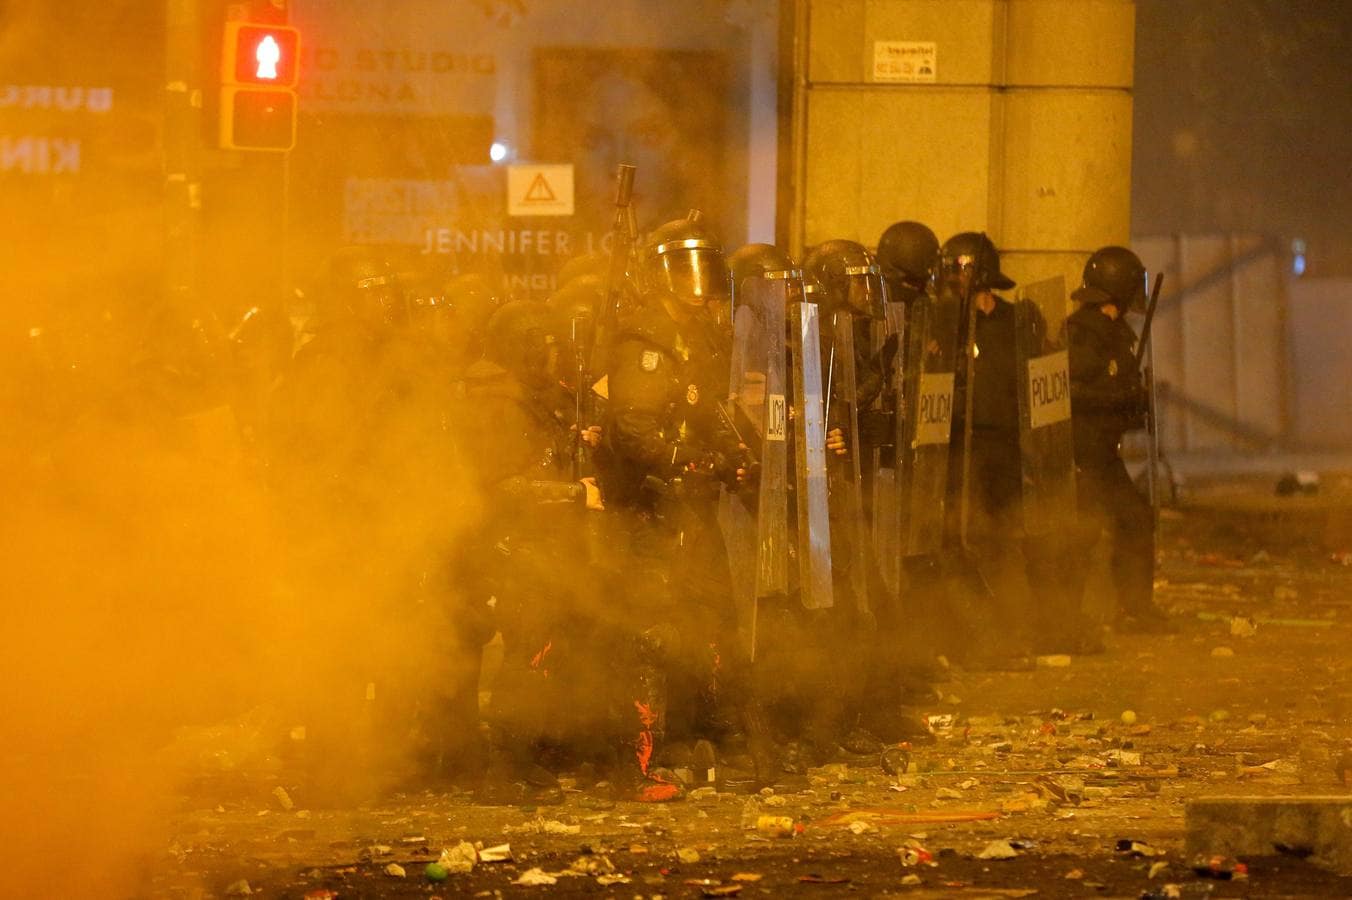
536, 189
540, 191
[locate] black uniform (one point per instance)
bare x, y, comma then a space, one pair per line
530, 555
669, 453
997, 485
1108, 399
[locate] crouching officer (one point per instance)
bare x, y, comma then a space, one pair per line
1108, 399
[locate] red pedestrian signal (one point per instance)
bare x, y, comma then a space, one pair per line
259, 68
261, 54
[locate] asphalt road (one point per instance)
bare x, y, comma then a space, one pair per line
1251, 697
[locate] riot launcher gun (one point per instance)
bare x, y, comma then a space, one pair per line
592, 362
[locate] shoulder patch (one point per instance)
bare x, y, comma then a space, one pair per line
649, 360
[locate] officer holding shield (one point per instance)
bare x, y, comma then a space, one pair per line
1109, 399
1016, 474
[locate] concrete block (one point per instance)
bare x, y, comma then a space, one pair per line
1065, 169
835, 41
1070, 43
968, 41
875, 157
1320, 827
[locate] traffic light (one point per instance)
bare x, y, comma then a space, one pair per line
259, 68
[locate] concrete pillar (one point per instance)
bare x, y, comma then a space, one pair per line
1023, 130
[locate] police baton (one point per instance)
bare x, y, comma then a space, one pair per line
1149, 317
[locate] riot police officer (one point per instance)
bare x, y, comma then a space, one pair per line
1023, 608
671, 453
852, 292
528, 543
1109, 399
358, 444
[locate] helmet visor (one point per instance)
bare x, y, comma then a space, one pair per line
692, 270
381, 298
865, 293
744, 291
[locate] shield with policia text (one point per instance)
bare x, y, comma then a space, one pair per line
844, 472
928, 361
756, 525
1046, 441
812, 505
884, 515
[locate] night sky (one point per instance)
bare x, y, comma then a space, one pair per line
1244, 122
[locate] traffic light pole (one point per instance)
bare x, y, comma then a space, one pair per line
182, 154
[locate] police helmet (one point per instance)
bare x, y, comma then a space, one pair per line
360, 281
972, 251
848, 276
685, 258
1113, 275
907, 254
522, 337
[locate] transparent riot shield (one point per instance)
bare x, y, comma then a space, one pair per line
927, 365
844, 472
755, 522
809, 439
884, 515
1046, 441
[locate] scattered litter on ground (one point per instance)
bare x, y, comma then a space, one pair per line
998, 850
535, 877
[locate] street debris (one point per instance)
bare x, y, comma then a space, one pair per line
1135, 849
1098, 784
1220, 868
283, 798
775, 826
896, 760
460, 859
535, 877
543, 826
496, 854
998, 850
914, 854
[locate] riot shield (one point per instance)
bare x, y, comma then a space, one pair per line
1046, 441
884, 515
755, 523
844, 472
927, 365
809, 440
